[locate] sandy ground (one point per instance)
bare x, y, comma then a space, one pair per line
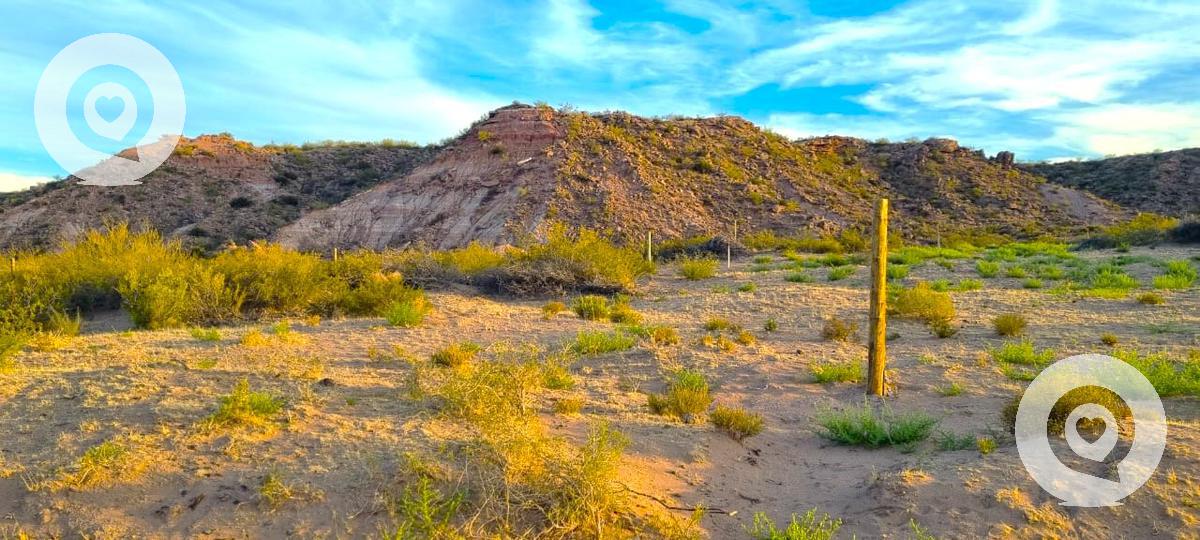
346, 423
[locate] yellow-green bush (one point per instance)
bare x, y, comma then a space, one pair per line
281, 280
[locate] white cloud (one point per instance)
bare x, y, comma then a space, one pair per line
1129, 128
16, 182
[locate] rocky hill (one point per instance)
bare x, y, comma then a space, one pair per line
212, 190
1162, 182
523, 167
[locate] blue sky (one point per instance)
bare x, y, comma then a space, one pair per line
1044, 78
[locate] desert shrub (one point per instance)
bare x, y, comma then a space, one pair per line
1050, 272
799, 277
186, 294
1179, 274
591, 343
950, 442
943, 329
206, 334
1110, 339
806, 527
570, 405
747, 287
923, 303
278, 279
1021, 361
745, 337
840, 272
687, 395
763, 259
697, 268
657, 334
623, 313
836, 329
64, 324
717, 324
591, 307
374, 293
897, 271
409, 310
865, 426
830, 372
737, 422
771, 325
1015, 271
104, 464
550, 309
455, 355
969, 285
245, 408
1109, 277
986, 445
1144, 229
1009, 324
1151, 299
1169, 378
471, 260
987, 269
940, 285
1070, 401
949, 390
569, 261
1032, 283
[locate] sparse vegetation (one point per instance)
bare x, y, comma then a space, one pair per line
839, 273
456, 355
1009, 324
245, 408
593, 342
687, 396
836, 329
806, 527
831, 372
865, 426
550, 309
591, 307
697, 268
737, 422
987, 269
1151, 299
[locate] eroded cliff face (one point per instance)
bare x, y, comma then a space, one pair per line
491, 185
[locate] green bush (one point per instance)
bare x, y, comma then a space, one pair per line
897, 271
179, 296
591, 307
865, 426
987, 269
372, 295
280, 280
697, 268
1032, 283
1010, 324
736, 421
1179, 275
687, 395
831, 372
799, 277
591, 343
836, 329
409, 310
969, 285
569, 261
840, 272
923, 303
455, 355
1169, 378
245, 408
807, 527
471, 260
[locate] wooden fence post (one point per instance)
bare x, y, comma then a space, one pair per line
729, 248
335, 254
877, 346
649, 246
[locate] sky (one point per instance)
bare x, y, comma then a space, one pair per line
1048, 80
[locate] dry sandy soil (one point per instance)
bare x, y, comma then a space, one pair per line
347, 420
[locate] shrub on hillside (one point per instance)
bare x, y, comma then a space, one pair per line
581, 261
